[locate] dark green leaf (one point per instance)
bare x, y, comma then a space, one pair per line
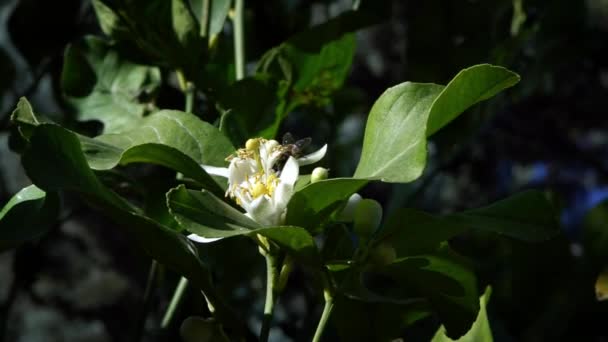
313, 63
102, 86
313, 204
164, 31
54, 161
527, 216
447, 283
250, 107
218, 12
201, 213
480, 331
363, 321
394, 146
28, 215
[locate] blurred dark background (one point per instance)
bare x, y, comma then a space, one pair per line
83, 281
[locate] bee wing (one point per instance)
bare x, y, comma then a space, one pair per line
303, 143
288, 139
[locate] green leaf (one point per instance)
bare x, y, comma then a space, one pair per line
164, 32
54, 161
312, 205
102, 86
173, 139
295, 241
250, 106
201, 213
394, 145
480, 331
363, 321
313, 64
527, 216
446, 282
28, 215
470, 86
218, 12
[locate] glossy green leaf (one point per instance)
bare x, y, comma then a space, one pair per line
470, 86
480, 331
394, 146
448, 284
312, 205
173, 139
102, 86
296, 241
28, 215
527, 216
54, 161
200, 212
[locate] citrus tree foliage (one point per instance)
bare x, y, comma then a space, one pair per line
377, 274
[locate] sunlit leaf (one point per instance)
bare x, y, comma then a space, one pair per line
394, 146
102, 86
313, 204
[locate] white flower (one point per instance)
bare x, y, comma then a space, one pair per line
261, 179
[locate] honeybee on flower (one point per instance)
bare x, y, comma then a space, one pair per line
261, 179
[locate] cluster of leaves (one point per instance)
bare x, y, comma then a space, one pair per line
401, 273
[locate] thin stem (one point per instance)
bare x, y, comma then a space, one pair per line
205, 18
139, 332
177, 298
189, 97
329, 305
272, 277
239, 39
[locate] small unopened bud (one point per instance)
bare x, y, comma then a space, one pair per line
252, 144
368, 215
348, 213
383, 254
318, 174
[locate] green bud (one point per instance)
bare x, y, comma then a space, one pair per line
368, 215
383, 254
318, 174
252, 144
348, 213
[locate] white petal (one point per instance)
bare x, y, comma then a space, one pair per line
290, 172
313, 157
282, 195
198, 238
263, 211
217, 171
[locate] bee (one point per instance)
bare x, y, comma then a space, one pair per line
291, 148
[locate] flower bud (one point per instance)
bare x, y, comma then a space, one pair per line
318, 174
348, 213
368, 215
383, 254
252, 144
